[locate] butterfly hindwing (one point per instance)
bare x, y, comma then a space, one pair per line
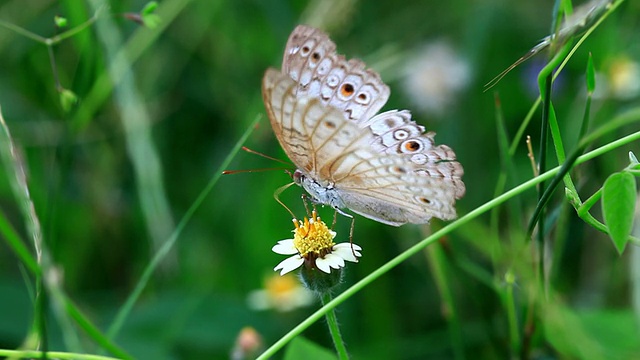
396, 133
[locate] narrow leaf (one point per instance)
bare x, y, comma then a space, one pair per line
591, 75
618, 201
301, 348
633, 160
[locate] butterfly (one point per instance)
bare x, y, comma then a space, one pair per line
322, 108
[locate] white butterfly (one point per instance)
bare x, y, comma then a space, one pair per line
322, 109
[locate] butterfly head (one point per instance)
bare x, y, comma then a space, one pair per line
298, 177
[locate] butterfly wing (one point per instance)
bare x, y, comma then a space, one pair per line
310, 60
399, 204
396, 133
337, 154
312, 134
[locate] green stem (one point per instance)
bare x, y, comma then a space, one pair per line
437, 262
505, 171
32, 354
545, 92
334, 329
71, 32
586, 206
512, 318
52, 40
582, 209
24, 32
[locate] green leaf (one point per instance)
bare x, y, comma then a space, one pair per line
618, 202
591, 75
151, 21
67, 99
301, 348
60, 21
590, 334
149, 8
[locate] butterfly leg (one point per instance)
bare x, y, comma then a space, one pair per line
305, 202
353, 224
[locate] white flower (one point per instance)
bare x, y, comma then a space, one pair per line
283, 293
435, 76
624, 78
313, 243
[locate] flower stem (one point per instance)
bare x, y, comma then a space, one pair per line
332, 321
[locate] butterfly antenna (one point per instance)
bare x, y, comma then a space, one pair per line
276, 195
250, 151
229, 172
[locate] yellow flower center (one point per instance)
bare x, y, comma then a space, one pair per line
312, 236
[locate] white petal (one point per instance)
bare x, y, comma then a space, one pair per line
323, 265
356, 247
346, 253
335, 261
284, 247
289, 264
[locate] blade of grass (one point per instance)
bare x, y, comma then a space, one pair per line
47, 277
18, 180
439, 264
505, 160
17, 245
136, 122
168, 245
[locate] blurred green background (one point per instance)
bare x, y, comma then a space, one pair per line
112, 176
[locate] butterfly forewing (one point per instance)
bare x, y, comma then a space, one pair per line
311, 61
311, 132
